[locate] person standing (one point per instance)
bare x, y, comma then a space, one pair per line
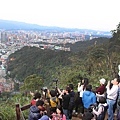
100, 91
112, 93
81, 89
72, 100
64, 95
89, 97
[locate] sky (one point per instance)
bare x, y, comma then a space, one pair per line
84, 14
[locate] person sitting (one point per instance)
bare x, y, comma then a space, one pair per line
44, 117
53, 101
101, 109
36, 111
36, 97
59, 115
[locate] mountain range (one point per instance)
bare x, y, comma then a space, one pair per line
15, 25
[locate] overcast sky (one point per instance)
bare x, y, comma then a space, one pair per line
88, 14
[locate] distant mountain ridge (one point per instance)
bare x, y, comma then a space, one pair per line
15, 25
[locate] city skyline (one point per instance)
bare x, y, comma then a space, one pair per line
82, 14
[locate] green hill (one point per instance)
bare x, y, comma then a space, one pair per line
93, 59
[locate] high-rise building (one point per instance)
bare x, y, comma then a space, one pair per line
4, 38
0, 36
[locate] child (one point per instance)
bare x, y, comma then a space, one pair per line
59, 114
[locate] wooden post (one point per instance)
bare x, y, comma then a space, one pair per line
18, 111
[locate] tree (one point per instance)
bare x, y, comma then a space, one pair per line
116, 33
32, 83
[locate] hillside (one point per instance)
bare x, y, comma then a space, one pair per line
93, 59
15, 25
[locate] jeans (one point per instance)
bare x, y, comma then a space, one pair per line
65, 111
110, 109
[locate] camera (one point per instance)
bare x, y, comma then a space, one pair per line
90, 109
55, 80
44, 89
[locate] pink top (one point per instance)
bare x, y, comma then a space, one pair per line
58, 117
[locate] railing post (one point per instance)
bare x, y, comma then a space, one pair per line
17, 111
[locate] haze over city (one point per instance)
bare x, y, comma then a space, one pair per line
83, 14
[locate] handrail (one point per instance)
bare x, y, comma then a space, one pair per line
19, 110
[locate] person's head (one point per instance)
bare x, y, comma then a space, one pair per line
86, 81
102, 81
37, 95
67, 90
53, 93
88, 87
102, 100
59, 109
71, 86
40, 104
115, 81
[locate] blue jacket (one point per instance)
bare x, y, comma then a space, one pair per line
88, 98
34, 113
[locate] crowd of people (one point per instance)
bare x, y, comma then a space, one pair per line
88, 103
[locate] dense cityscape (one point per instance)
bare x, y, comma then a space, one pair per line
11, 41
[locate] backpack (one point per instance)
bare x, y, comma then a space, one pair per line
102, 115
72, 101
53, 101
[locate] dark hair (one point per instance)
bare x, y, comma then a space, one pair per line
71, 86
86, 81
68, 89
60, 108
102, 99
88, 87
37, 95
39, 103
118, 79
87, 116
53, 93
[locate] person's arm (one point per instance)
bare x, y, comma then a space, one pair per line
64, 117
59, 90
80, 88
94, 98
99, 111
48, 93
98, 90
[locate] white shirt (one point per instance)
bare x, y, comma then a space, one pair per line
112, 93
80, 89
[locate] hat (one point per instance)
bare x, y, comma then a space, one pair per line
44, 117
102, 81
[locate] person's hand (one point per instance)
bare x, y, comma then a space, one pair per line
79, 84
93, 109
108, 84
31, 93
98, 92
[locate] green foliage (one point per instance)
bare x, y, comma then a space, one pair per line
32, 83
7, 108
36, 68
93, 59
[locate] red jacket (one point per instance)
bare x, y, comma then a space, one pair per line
100, 90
